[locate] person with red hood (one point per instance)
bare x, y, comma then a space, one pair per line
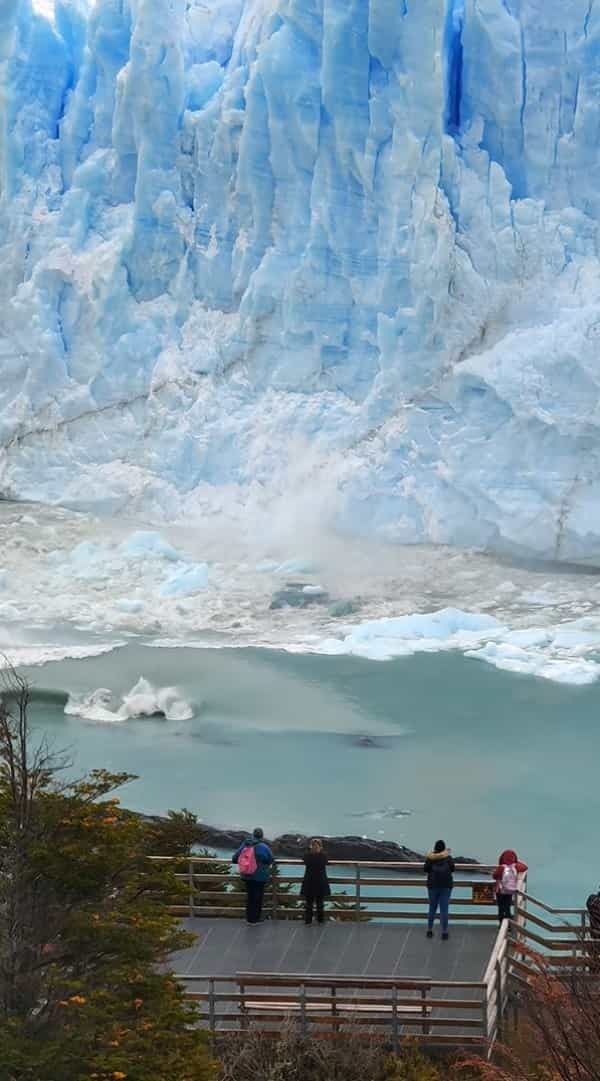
507, 881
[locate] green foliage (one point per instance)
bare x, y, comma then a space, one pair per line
342, 909
218, 892
176, 834
85, 932
289, 903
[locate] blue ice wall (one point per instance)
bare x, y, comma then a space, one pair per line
369, 227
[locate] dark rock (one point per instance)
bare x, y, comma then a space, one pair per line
293, 595
344, 608
294, 845
347, 848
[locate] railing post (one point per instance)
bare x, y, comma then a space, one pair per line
191, 886
499, 998
486, 1013
274, 905
357, 893
395, 1028
425, 1026
303, 1018
334, 1009
211, 1005
242, 1006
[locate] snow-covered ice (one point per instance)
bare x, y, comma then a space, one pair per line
342, 257
75, 584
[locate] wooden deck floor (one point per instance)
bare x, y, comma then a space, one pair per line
224, 947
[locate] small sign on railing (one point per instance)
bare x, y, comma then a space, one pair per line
484, 893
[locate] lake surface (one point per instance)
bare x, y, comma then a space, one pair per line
484, 758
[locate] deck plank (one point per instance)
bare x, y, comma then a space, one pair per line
224, 947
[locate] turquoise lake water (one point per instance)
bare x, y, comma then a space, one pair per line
481, 757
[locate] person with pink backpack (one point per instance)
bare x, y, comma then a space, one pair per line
507, 881
254, 857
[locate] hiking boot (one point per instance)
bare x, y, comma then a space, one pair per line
430, 934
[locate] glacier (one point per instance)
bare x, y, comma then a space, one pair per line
340, 256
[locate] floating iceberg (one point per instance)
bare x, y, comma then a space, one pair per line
383, 639
567, 653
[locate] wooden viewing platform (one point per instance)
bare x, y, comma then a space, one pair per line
370, 967
339, 976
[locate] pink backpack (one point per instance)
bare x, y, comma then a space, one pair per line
247, 861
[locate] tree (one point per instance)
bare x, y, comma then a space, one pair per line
85, 934
557, 1037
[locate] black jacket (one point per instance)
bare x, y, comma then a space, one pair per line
438, 868
315, 882
593, 907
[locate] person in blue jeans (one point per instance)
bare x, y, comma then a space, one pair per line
255, 883
439, 867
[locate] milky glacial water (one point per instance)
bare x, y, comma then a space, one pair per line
485, 758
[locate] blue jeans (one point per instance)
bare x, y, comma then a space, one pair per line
439, 898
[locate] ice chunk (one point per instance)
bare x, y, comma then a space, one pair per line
147, 545
126, 604
536, 663
191, 578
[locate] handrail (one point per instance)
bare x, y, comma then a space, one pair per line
325, 979
356, 889
549, 908
499, 943
293, 861
395, 1008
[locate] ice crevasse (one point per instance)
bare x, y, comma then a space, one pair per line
254, 245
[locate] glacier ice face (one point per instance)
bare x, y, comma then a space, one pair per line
337, 254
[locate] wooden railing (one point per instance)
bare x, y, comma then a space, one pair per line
496, 981
214, 889
446, 1012
557, 938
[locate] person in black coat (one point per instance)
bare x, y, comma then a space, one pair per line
439, 868
315, 884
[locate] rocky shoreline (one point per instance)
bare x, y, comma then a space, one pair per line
293, 845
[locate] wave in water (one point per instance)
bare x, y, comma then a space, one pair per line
143, 700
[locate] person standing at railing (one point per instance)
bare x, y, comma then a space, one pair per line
254, 858
439, 868
593, 907
506, 876
315, 884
